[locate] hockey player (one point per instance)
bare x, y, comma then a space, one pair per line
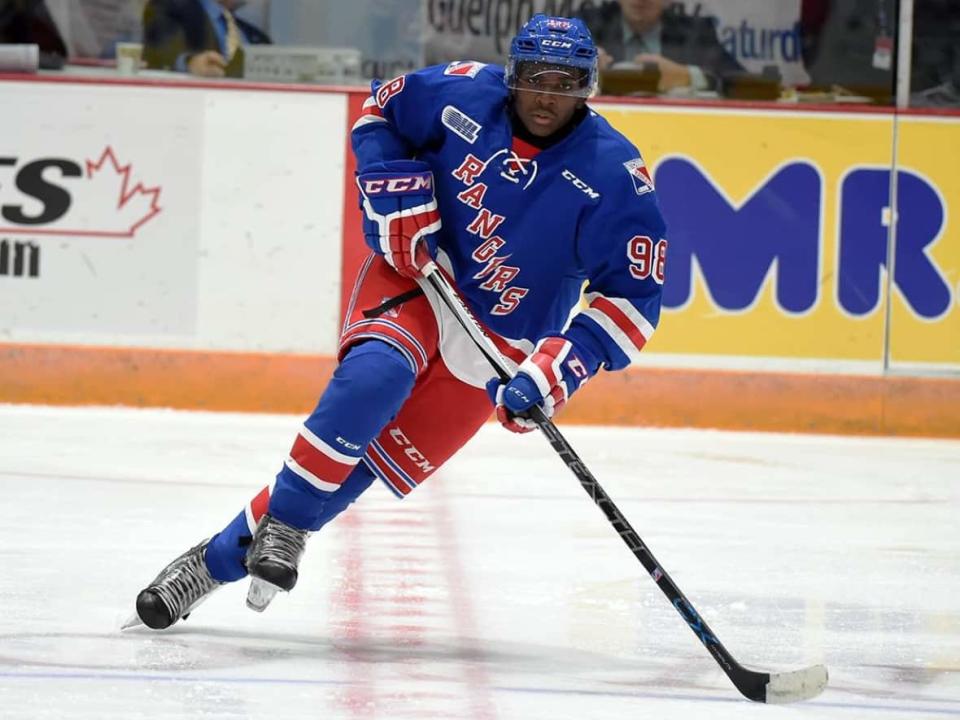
508, 181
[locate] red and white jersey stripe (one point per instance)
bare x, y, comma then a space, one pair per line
618, 317
370, 114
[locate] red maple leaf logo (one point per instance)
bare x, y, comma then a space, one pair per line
135, 203
104, 203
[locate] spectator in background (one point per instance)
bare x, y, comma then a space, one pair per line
29, 22
848, 46
92, 28
935, 57
685, 48
202, 37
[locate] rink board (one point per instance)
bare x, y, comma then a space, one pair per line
778, 226
199, 255
171, 217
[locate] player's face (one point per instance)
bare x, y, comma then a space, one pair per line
541, 104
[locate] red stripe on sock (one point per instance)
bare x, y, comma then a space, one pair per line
318, 463
259, 505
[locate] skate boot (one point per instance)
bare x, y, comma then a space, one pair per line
272, 560
176, 591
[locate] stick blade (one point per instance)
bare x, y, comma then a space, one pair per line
796, 685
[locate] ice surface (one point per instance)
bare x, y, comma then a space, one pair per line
497, 590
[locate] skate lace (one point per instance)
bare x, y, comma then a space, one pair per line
282, 542
184, 584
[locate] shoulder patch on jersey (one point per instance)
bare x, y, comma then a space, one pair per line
464, 68
642, 182
461, 124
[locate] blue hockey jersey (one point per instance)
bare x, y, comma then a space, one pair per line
523, 228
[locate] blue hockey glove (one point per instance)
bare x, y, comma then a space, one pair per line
400, 216
548, 377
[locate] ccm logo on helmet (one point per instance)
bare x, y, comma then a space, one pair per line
563, 44
413, 183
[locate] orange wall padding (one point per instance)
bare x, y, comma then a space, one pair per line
262, 382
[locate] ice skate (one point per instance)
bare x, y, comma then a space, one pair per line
272, 561
175, 592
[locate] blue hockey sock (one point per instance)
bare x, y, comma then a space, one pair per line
368, 388
359, 480
227, 549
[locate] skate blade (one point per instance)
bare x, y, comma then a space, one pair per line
260, 594
132, 622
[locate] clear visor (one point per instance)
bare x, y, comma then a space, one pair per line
550, 77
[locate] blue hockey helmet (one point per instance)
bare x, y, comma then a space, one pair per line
551, 47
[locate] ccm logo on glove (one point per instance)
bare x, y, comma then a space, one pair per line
400, 215
414, 183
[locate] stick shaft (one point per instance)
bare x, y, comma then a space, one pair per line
751, 684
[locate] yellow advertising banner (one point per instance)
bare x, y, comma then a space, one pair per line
779, 225
929, 148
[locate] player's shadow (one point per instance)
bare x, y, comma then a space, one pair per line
190, 653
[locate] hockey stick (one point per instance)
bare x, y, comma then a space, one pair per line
758, 686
